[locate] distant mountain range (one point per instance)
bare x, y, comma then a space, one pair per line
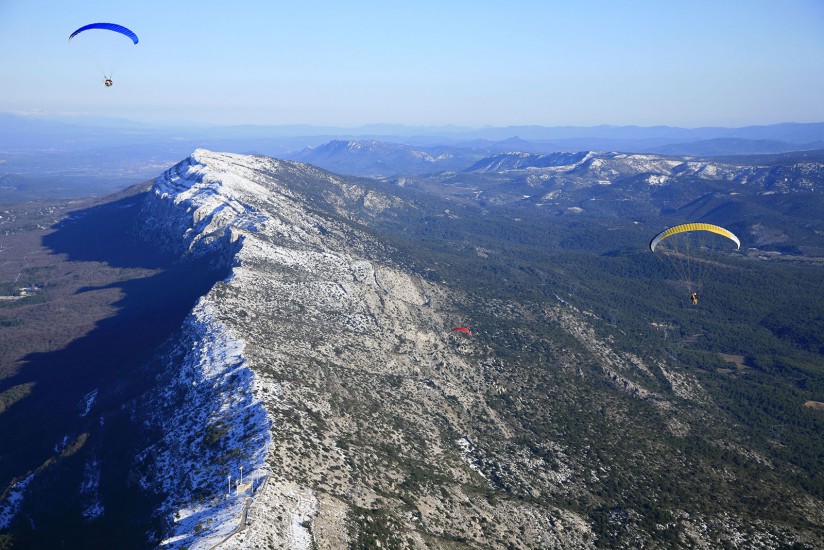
636, 184
73, 133
61, 156
379, 158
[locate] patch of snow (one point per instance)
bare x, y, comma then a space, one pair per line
90, 491
86, 402
60, 445
301, 536
657, 179
467, 451
11, 505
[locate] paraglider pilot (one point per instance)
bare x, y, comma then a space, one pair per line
113, 27
694, 298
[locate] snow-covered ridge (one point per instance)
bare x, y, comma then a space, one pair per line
212, 198
213, 427
512, 161
201, 198
243, 375
592, 168
266, 217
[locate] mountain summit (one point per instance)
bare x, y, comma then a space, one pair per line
320, 366
317, 395
325, 370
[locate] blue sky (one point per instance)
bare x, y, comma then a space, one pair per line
468, 63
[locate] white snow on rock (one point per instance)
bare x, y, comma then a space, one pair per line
206, 408
90, 491
10, 506
86, 403
467, 450
212, 426
199, 203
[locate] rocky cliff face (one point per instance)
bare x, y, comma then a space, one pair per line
329, 373
326, 372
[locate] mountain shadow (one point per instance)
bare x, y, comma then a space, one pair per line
78, 430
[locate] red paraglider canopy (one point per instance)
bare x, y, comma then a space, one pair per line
462, 329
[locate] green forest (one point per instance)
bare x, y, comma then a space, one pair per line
755, 342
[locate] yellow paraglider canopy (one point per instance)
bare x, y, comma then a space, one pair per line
694, 227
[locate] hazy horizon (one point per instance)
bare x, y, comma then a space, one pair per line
91, 119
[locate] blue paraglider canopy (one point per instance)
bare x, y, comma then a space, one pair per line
107, 27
